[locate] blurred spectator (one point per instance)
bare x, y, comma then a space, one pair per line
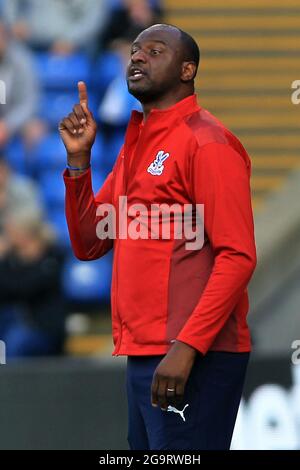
129, 19
32, 316
117, 103
21, 87
17, 193
33, 131
58, 25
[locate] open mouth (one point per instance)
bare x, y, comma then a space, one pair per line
136, 74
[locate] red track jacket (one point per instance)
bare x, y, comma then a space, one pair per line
160, 290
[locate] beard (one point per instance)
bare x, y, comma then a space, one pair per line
149, 91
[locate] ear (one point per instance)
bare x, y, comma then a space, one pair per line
188, 71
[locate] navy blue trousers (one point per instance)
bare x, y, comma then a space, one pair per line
205, 419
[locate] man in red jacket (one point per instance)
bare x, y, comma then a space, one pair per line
178, 313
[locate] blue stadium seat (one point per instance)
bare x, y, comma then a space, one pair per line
57, 219
87, 281
15, 155
62, 72
56, 105
106, 68
112, 149
53, 189
98, 178
50, 153
98, 152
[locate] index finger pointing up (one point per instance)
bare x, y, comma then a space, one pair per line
83, 94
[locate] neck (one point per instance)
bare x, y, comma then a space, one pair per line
166, 101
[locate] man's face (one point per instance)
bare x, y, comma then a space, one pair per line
155, 65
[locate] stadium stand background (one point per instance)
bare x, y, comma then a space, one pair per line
249, 59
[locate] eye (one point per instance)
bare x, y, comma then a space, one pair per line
133, 51
155, 51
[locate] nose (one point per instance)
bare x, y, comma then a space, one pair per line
138, 56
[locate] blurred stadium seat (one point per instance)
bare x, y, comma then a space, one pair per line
57, 219
98, 178
55, 105
106, 68
87, 282
61, 72
15, 155
50, 154
113, 147
53, 194
53, 189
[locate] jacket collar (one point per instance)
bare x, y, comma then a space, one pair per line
183, 107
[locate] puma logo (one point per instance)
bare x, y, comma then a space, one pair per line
172, 408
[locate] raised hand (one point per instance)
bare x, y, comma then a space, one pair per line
78, 131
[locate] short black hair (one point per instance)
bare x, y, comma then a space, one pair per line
191, 50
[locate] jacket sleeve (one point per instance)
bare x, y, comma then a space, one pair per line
81, 213
220, 181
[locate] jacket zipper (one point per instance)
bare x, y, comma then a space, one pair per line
117, 348
126, 169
